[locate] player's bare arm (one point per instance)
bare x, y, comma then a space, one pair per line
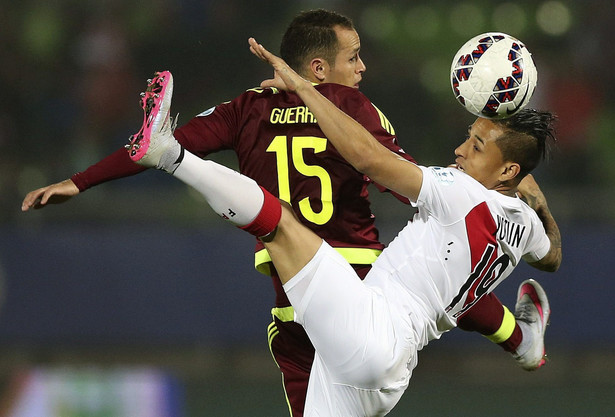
530, 191
351, 139
51, 194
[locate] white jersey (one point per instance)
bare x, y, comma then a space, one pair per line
463, 241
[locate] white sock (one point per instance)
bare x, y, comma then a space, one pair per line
232, 195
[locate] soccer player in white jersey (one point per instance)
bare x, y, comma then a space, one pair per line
472, 227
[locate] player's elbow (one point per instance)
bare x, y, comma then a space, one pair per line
556, 261
551, 262
370, 162
552, 267
365, 166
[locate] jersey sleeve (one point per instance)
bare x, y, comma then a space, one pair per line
538, 244
439, 195
215, 129
211, 131
206, 133
117, 165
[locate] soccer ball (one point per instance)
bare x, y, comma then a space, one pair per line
493, 75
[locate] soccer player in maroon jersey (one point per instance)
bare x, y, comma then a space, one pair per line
279, 145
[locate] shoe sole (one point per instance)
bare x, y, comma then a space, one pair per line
537, 294
150, 103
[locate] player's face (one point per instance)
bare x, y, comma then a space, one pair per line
348, 67
479, 156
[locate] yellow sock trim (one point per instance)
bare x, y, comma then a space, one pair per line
506, 328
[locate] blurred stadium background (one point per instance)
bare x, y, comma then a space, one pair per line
134, 300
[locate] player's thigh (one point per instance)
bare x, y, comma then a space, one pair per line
349, 324
291, 246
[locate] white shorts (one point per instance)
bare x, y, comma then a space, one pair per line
365, 351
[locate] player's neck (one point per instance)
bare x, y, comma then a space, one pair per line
506, 189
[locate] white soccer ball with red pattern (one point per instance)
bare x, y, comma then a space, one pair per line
493, 75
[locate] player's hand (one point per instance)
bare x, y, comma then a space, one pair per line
285, 77
531, 193
51, 194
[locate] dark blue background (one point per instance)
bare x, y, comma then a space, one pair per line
90, 284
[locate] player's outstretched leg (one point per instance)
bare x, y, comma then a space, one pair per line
532, 312
154, 145
233, 196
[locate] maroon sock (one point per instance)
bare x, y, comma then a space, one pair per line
487, 317
267, 219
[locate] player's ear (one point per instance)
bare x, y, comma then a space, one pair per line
318, 69
510, 171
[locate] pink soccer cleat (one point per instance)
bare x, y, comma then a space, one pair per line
532, 312
151, 145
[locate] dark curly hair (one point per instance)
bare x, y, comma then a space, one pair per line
311, 34
529, 136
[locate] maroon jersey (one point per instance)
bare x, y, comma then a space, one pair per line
280, 145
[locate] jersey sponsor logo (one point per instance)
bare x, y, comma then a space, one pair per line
291, 115
487, 266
